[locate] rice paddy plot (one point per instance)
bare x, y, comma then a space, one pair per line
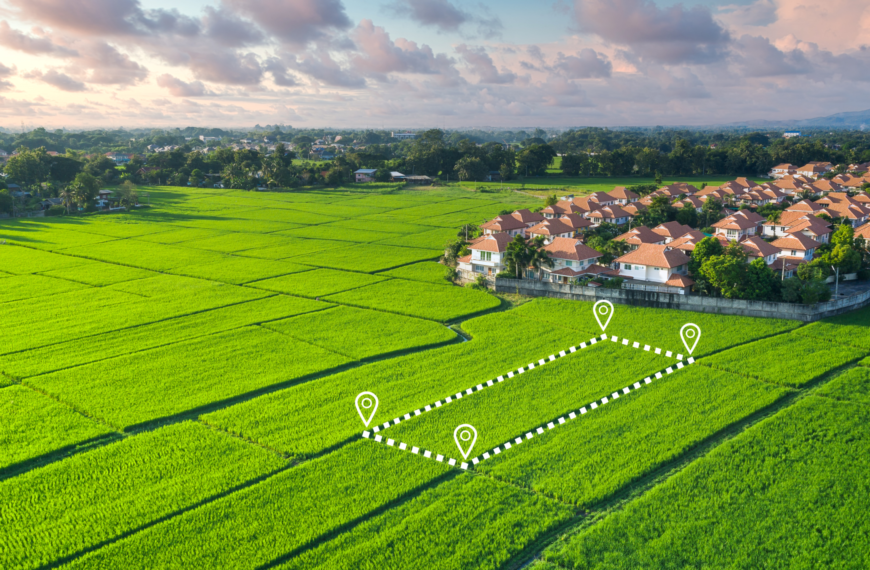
293, 218
69, 506
416, 299
427, 271
309, 418
371, 258
238, 270
292, 247
789, 493
342, 209
130, 390
334, 233
154, 256
468, 522
852, 328
433, 239
50, 238
593, 456
39, 288
164, 284
662, 325
852, 385
120, 342
317, 283
236, 241
19, 260
385, 227
286, 512
34, 425
807, 359
179, 235
361, 333
100, 274
236, 222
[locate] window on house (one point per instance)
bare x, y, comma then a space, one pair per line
568, 263
627, 266
487, 256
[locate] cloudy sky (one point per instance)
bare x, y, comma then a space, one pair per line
428, 63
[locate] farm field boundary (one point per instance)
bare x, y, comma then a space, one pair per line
376, 437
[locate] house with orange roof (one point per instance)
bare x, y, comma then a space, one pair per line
859, 167
571, 258
608, 214
793, 221
623, 196
639, 236
692, 201
796, 247
529, 218
671, 230
653, 263
561, 208
550, 229
577, 222
783, 169
850, 181
815, 169
487, 254
508, 224
634, 208
757, 248
687, 242
594, 201
734, 227
863, 232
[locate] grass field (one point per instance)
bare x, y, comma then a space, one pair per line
178, 389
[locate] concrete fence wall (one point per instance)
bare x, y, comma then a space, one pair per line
806, 313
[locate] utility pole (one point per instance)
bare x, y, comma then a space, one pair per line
837, 282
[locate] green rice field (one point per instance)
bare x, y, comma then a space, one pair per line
179, 389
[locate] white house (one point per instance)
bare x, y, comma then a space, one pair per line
365, 174
654, 263
570, 260
623, 195
404, 136
671, 230
550, 229
487, 254
640, 235
508, 223
610, 215
796, 247
758, 248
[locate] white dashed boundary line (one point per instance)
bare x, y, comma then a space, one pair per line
531, 366
497, 450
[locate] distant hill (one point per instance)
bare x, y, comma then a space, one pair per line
849, 120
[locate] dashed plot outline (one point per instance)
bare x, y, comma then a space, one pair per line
375, 436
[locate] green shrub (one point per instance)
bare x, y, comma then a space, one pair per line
55, 211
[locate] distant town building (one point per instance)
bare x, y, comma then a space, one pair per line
791, 134
404, 136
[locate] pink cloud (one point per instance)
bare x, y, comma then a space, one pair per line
481, 64
57, 79
179, 88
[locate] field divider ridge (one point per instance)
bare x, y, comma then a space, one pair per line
375, 436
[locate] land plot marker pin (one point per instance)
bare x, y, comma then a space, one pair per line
366, 404
691, 334
603, 313
465, 436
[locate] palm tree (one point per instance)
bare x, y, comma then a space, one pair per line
517, 254
66, 197
538, 257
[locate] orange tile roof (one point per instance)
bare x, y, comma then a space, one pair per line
609, 212
863, 231
678, 280
672, 229
622, 193
503, 224
639, 235
655, 255
496, 243
798, 242
576, 221
570, 248
756, 245
528, 217
688, 241
550, 227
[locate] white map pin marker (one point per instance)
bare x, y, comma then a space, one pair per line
691, 334
465, 435
603, 312
367, 403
